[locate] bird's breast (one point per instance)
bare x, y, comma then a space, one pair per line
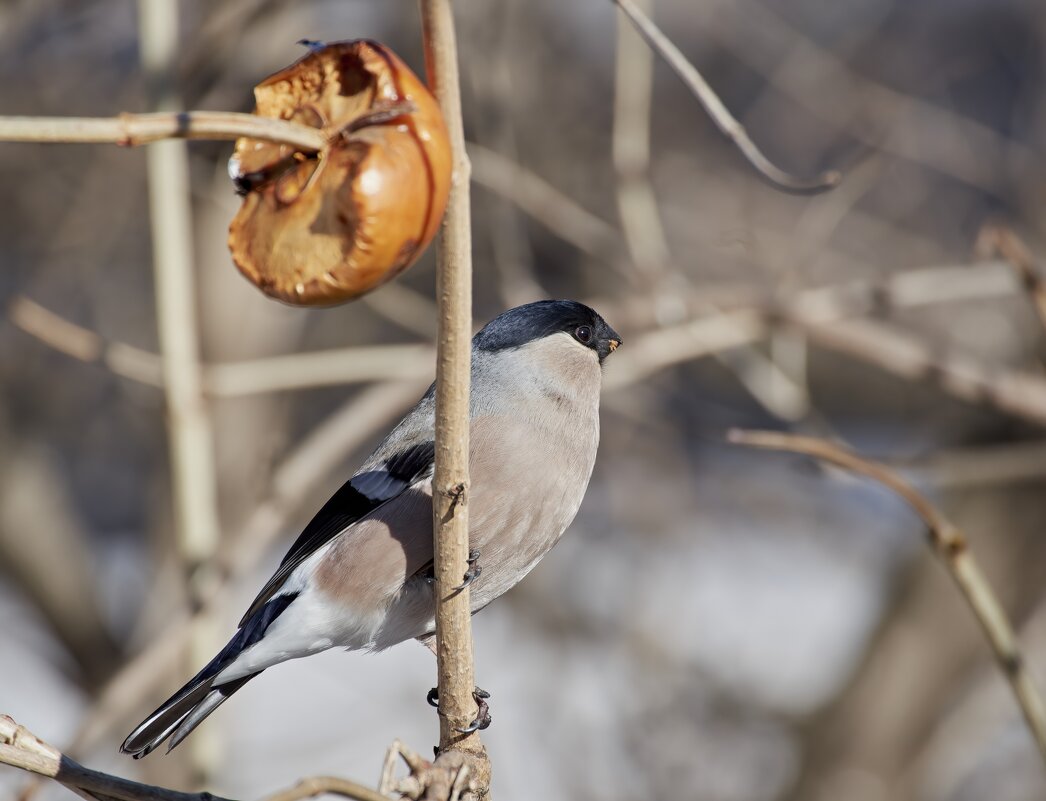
528, 478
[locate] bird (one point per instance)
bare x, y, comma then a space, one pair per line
360, 575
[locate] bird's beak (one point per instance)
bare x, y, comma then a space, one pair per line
614, 343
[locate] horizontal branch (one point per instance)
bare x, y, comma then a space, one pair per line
138, 129
960, 374
317, 369
831, 316
20, 748
332, 367
948, 544
326, 785
81, 343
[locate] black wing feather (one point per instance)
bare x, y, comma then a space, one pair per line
357, 498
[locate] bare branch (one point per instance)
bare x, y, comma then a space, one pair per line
1000, 240
318, 369
450, 485
20, 748
829, 315
139, 129
979, 466
326, 785
81, 343
721, 116
458, 750
227, 379
654, 351
641, 221
958, 373
948, 544
559, 213
876, 114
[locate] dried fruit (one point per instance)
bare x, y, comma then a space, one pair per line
321, 228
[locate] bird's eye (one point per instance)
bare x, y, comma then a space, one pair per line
583, 334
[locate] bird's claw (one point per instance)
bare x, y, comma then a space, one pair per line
470, 575
482, 719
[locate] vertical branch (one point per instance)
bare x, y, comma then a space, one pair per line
190, 437
633, 93
453, 365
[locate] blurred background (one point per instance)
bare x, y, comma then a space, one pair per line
718, 624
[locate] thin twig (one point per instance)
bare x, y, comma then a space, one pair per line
233, 379
318, 369
875, 114
652, 352
995, 239
957, 372
641, 221
949, 544
829, 314
139, 129
450, 485
978, 466
81, 343
20, 748
326, 785
556, 211
721, 116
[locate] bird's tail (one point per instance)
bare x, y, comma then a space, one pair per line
206, 691
182, 712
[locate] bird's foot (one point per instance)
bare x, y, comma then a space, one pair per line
482, 719
480, 696
472, 573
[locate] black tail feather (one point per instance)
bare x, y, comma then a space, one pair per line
180, 714
187, 708
214, 699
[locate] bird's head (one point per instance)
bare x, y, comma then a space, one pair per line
522, 325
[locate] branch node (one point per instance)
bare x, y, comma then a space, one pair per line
125, 120
458, 493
